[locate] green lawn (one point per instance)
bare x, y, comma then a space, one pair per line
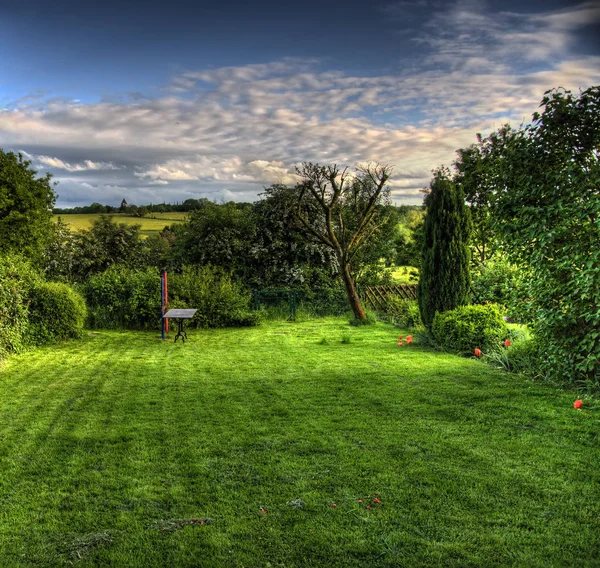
152, 224
121, 450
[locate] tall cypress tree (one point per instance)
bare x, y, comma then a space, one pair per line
445, 281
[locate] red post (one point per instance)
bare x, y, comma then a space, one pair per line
166, 300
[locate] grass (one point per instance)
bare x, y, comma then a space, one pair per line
150, 225
121, 450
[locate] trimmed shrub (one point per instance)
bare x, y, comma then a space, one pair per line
468, 327
56, 313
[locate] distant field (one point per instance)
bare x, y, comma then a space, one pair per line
151, 225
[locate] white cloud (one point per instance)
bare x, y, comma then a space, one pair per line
236, 128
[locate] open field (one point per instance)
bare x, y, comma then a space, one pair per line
233, 448
152, 224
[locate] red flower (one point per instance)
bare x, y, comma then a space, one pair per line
578, 403
401, 344
399, 337
263, 511
507, 343
376, 500
409, 339
477, 352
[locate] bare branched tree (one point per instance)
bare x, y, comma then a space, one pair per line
349, 203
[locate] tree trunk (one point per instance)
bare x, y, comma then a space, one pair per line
353, 298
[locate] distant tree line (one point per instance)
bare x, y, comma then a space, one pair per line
137, 210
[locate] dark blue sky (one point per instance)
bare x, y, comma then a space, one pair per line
169, 100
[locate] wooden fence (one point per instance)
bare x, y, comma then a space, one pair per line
376, 296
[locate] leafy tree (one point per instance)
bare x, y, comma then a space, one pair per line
478, 171
281, 255
348, 216
219, 235
25, 207
75, 256
548, 211
444, 283
408, 240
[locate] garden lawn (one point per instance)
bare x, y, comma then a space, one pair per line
290, 444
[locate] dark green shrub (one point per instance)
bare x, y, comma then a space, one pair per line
444, 282
468, 327
56, 313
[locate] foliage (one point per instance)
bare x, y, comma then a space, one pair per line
478, 174
124, 298
344, 213
403, 313
33, 311
444, 281
130, 298
219, 299
25, 207
500, 282
280, 255
469, 327
549, 217
408, 240
219, 235
56, 313
16, 280
76, 256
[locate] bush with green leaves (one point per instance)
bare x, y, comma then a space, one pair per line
56, 313
547, 209
466, 328
220, 300
122, 298
33, 311
15, 277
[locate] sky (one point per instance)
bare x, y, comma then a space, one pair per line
165, 101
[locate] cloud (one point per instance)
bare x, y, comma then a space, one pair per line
227, 132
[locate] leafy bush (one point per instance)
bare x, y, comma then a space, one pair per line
33, 311
468, 327
13, 312
130, 299
499, 282
124, 298
220, 300
56, 313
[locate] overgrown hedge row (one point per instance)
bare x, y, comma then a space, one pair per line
130, 299
33, 311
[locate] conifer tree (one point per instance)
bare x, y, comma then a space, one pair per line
445, 282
